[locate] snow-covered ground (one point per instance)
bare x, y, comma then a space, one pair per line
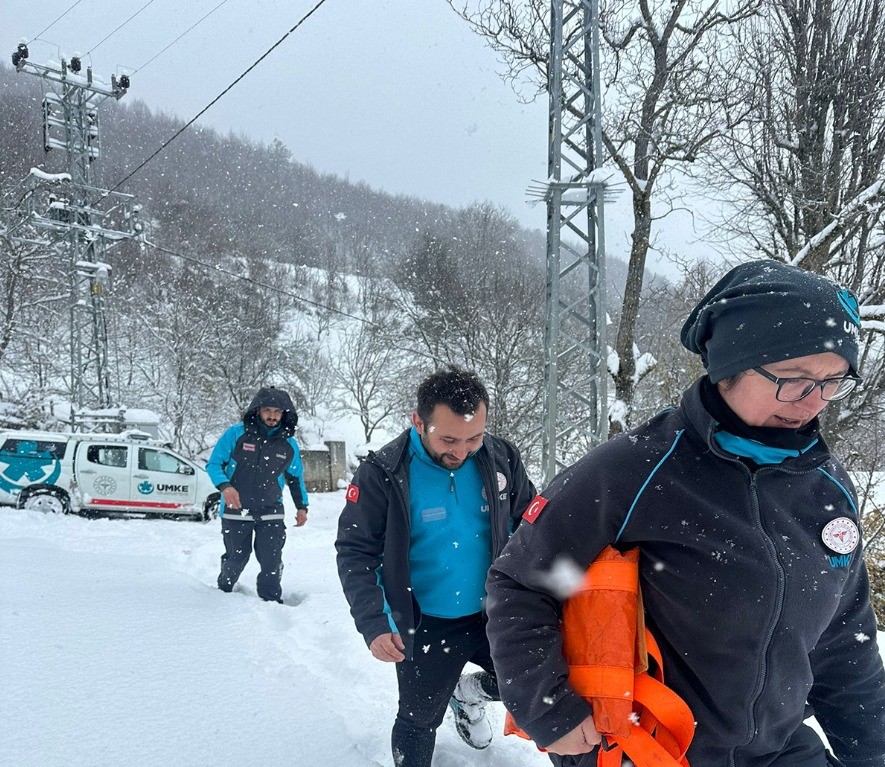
117, 649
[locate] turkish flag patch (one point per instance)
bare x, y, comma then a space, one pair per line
353, 494
534, 510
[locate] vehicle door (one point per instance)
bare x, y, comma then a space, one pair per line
103, 471
27, 461
164, 481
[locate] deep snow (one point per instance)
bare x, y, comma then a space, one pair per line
117, 649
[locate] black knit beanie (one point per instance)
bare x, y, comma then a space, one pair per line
765, 312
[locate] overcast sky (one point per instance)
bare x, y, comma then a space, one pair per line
397, 93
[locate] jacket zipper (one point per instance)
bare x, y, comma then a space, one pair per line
485, 472
453, 488
779, 605
781, 587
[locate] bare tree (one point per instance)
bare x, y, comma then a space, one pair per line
247, 331
665, 92
469, 289
805, 169
370, 359
32, 281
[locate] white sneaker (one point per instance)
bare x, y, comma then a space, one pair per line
468, 704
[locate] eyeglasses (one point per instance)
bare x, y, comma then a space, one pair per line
794, 389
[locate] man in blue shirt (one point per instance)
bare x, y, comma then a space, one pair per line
250, 465
425, 516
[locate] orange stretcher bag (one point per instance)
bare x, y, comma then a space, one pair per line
606, 645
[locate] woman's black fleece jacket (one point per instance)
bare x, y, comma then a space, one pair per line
754, 615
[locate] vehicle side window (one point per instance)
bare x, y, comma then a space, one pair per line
157, 460
108, 455
30, 448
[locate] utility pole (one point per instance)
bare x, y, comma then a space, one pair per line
575, 385
71, 213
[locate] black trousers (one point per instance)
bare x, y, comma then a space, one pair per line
426, 683
269, 538
804, 749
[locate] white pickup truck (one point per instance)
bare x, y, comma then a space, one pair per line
121, 474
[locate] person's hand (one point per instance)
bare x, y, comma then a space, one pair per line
300, 517
582, 740
231, 497
388, 647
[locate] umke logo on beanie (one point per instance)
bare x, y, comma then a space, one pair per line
848, 301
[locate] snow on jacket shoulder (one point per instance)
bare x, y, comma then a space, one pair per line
753, 613
374, 530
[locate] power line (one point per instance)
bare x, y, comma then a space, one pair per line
275, 289
181, 35
58, 19
218, 97
107, 37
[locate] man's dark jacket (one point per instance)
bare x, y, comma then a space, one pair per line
258, 462
374, 529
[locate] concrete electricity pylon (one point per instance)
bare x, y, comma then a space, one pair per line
575, 386
67, 210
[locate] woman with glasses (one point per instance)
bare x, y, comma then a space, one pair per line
751, 564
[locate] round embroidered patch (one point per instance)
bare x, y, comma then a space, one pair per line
502, 481
841, 535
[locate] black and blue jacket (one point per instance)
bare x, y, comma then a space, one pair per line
259, 462
374, 531
754, 614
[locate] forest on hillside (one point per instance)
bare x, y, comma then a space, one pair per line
312, 282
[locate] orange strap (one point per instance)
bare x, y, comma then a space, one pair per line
666, 724
607, 648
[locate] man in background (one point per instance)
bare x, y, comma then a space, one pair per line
251, 464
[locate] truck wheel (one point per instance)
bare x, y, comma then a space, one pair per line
47, 500
210, 510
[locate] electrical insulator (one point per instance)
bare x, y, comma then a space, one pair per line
19, 54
